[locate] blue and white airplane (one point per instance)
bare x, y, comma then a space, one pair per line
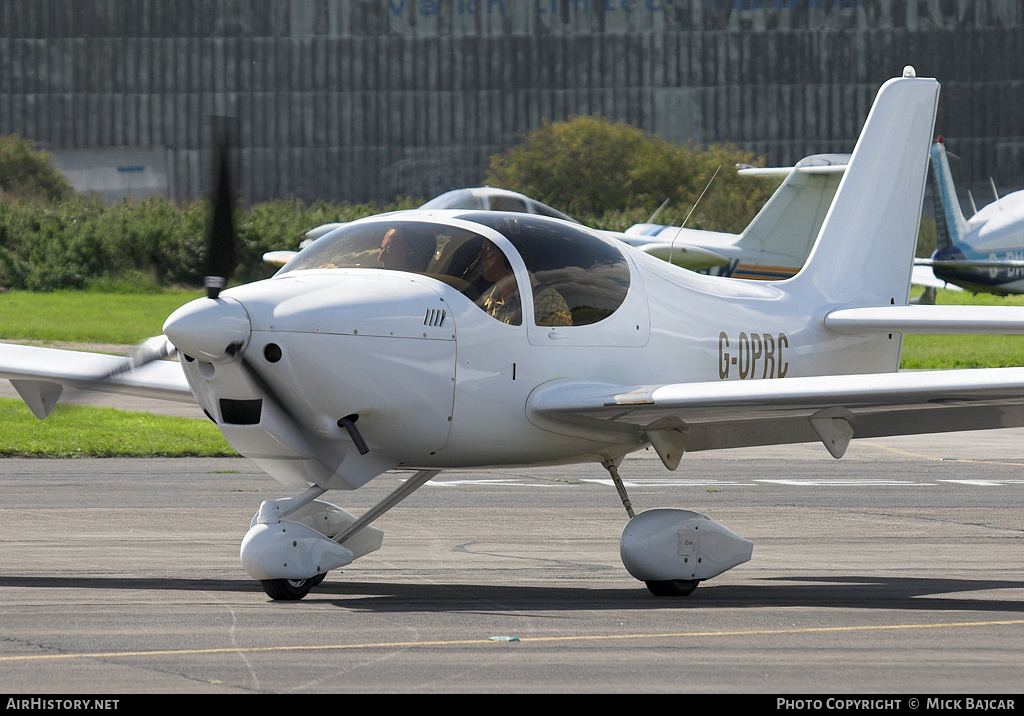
983, 254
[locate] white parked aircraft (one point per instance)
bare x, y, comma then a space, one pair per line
487, 198
983, 254
524, 340
774, 244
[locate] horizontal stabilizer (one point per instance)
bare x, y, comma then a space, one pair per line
970, 263
816, 164
927, 319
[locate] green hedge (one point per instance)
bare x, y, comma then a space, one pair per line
80, 243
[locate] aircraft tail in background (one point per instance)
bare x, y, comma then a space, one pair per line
951, 226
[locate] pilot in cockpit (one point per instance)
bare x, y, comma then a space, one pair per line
502, 301
399, 252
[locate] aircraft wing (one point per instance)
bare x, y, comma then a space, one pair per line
40, 374
694, 258
923, 276
832, 409
279, 258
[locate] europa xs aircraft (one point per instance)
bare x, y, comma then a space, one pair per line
423, 341
985, 253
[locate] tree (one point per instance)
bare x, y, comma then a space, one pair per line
611, 175
26, 173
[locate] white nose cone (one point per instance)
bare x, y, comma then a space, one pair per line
209, 329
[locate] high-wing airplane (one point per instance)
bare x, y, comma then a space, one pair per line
983, 254
425, 341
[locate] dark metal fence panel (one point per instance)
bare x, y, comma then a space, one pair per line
365, 99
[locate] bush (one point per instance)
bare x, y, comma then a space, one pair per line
611, 175
134, 246
29, 174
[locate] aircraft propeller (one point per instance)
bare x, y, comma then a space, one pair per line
220, 253
220, 330
220, 238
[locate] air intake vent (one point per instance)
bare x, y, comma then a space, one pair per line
434, 317
241, 412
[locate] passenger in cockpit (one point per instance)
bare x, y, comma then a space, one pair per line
503, 300
399, 252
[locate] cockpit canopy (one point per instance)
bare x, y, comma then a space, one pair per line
575, 278
491, 199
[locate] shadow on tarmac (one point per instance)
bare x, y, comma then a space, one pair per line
873, 592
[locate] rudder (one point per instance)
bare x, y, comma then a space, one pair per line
864, 251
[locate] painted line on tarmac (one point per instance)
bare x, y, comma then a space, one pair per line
671, 482
492, 640
940, 459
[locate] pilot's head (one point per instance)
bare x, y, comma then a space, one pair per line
494, 262
398, 252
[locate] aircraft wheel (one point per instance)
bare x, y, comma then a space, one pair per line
672, 587
313, 581
287, 589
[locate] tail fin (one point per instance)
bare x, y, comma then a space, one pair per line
865, 249
949, 217
790, 220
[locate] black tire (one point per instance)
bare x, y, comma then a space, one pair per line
287, 589
313, 581
672, 587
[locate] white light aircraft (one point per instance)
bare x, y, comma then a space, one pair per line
983, 254
500, 339
774, 244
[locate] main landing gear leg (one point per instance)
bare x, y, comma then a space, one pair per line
672, 551
659, 588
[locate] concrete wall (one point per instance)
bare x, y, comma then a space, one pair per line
368, 99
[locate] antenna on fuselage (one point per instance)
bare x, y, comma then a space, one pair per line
659, 210
692, 208
995, 192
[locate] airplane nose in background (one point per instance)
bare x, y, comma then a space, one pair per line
210, 329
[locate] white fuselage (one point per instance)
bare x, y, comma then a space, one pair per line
363, 342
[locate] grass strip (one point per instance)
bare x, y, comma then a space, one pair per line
84, 431
86, 316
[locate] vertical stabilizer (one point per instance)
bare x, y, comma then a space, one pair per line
790, 220
864, 252
952, 224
